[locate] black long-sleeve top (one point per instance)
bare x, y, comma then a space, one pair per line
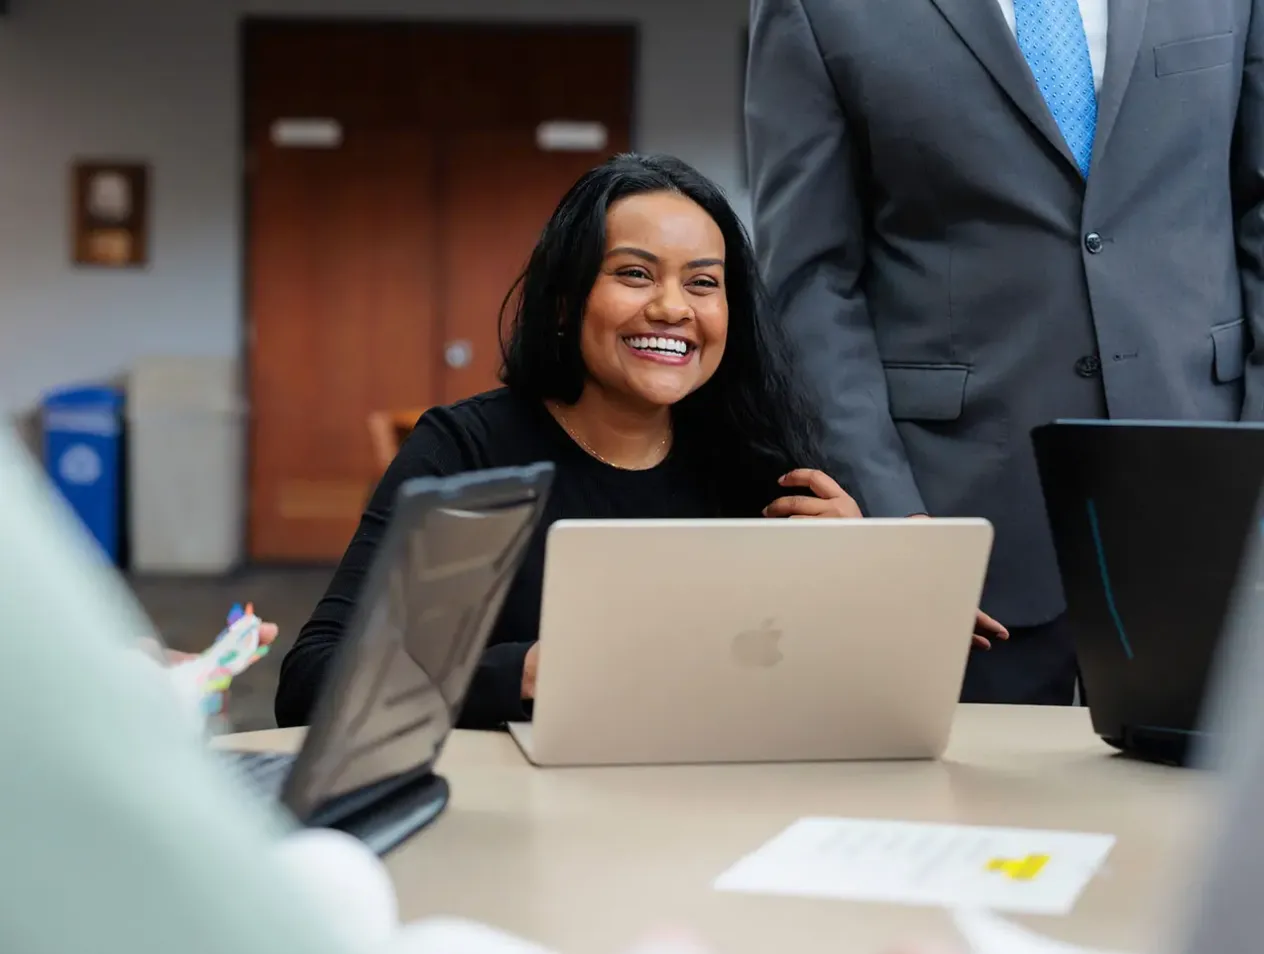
495, 429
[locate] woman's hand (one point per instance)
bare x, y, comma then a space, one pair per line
986, 630
530, 666
830, 500
268, 633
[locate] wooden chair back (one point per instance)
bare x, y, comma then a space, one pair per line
388, 429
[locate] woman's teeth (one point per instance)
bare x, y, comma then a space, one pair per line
661, 345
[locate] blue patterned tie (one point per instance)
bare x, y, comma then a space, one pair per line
1051, 36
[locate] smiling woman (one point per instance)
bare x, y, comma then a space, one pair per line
654, 325
641, 361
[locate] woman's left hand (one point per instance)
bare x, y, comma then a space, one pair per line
986, 630
830, 500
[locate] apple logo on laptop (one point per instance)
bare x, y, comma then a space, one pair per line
759, 647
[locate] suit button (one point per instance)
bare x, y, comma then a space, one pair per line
1093, 242
1088, 366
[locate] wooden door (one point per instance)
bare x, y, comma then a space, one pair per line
371, 259
339, 273
505, 189
498, 185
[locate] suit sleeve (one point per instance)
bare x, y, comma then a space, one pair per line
1248, 194
810, 236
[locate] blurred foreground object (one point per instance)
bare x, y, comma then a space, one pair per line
1226, 916
121, 833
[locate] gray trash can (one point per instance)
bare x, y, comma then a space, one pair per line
186, 466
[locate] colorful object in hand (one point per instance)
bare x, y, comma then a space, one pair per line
235, 650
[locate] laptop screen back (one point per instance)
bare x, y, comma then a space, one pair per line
422, 623
1150, 522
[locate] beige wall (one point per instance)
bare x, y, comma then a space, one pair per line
157, 80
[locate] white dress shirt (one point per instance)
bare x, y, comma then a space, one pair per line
1096, 25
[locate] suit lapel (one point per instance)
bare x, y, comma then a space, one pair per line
1123, 42
983, 29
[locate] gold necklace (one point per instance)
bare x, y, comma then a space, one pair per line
566, 426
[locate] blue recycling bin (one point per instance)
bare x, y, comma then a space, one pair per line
83, 438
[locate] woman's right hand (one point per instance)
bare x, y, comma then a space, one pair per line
827, 498
530, 666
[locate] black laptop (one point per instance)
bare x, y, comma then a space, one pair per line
1150, 521
431, 597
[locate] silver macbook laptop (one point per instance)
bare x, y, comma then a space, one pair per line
753, 640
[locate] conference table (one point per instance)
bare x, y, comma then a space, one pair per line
589, 861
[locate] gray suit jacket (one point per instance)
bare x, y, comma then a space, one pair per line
951, 280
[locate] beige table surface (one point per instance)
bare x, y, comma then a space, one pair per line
588, 860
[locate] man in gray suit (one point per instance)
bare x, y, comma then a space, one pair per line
976, 216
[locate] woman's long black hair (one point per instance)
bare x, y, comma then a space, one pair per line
749, 423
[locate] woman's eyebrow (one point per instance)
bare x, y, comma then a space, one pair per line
630, 250
652, 258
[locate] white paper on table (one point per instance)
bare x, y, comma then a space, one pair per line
956, 866
985, 933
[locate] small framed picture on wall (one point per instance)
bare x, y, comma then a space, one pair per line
110, 227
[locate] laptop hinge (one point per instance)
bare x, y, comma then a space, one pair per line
1157, 744
391, 819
